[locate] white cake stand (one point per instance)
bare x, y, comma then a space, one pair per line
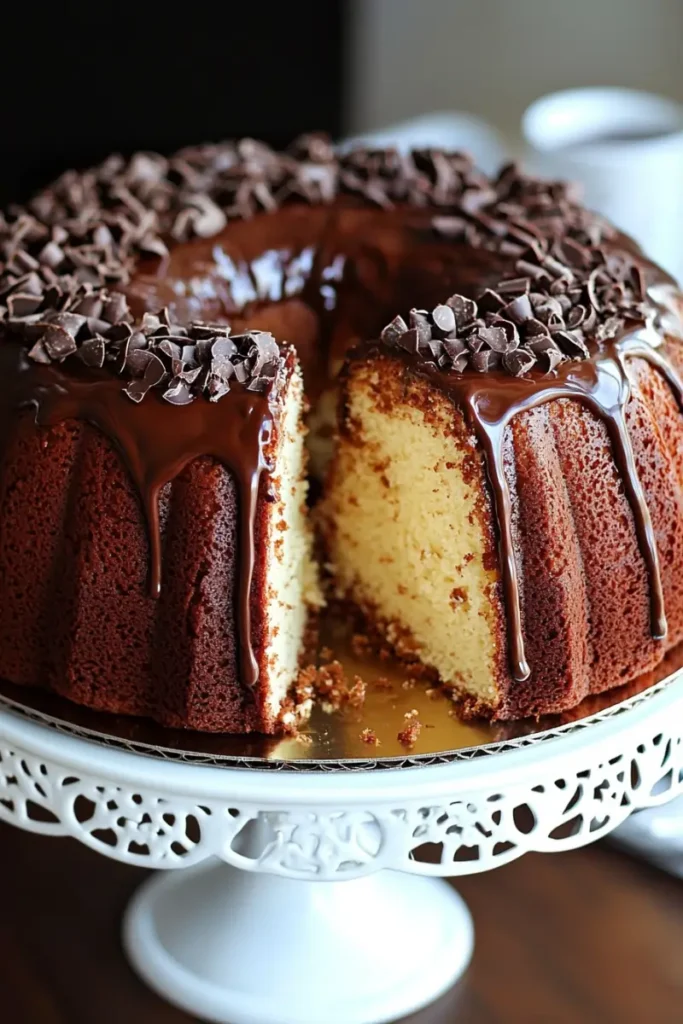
305, 897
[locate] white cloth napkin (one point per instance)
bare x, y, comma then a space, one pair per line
655, 835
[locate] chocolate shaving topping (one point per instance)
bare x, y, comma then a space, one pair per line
485, 360
533, 330
58, 343
410, 340
546, 352
184, 362
93, 351
519, 361
464, 309
562, 299
65, 256
393, 331
444, 320
495, 338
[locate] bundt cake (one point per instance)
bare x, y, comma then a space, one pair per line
504, 499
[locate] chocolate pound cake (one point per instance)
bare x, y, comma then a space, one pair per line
505, 497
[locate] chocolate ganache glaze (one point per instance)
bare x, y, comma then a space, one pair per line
156, 441
117, 285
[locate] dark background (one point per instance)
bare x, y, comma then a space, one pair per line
85, 79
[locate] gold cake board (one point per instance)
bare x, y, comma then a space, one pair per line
334, 740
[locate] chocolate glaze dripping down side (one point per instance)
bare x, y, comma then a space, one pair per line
241, 263
156, 441
491, 401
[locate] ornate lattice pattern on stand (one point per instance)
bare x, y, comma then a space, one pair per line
534, 801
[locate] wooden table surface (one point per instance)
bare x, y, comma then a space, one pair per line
572, 938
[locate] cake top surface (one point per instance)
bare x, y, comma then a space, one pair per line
70, 253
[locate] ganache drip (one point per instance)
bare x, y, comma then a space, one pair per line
156, 441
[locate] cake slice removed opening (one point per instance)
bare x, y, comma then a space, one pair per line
407, 524
292, 589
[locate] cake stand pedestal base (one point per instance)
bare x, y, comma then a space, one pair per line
238, 947
310, 895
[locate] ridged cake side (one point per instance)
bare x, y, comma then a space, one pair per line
74, 578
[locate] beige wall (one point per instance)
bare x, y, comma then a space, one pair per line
492, 57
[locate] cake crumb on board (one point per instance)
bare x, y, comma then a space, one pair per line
369, 736
411, 730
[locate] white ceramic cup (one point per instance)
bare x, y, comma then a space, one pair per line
626, 149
